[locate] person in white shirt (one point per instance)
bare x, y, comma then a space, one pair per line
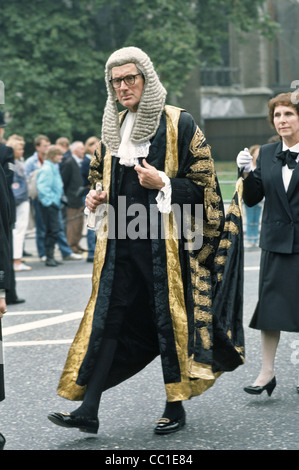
276, 178
20, 191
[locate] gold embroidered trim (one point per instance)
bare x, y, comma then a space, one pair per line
234, 209
171, 159
206, 251
201, 315
198, 370
197, 142
225, 243
202, 300
220, 260
202, 172
231, 227
205, 337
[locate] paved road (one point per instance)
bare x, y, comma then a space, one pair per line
37, 335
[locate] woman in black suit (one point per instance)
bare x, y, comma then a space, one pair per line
276, 178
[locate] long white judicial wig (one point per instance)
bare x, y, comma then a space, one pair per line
150, 107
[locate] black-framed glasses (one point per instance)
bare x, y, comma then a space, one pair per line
128, 79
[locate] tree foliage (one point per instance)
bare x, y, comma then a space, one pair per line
53, 54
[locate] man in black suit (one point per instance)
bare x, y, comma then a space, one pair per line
4, 242
64, 144
7, 163
5, 263
72, 181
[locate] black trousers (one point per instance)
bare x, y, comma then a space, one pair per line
132, 289
51, 220
11, 293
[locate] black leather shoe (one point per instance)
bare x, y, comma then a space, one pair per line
52, 262
2, 441
258, 389
15, 301
166, 426
66, 420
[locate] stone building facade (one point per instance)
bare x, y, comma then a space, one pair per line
231, 100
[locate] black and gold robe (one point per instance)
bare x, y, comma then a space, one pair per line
186, 281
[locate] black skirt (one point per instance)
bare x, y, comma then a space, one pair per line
278, 304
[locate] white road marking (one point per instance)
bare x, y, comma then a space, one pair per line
88, 276
46, 342
32, 312
53, 320
11, 330
47, 278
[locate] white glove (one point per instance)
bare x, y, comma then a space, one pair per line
244, 161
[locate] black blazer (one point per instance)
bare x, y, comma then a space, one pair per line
280, 220
7, 163
72, 181
5, 260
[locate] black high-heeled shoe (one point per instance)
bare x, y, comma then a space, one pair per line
258, 389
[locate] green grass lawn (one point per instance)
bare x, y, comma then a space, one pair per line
227, 175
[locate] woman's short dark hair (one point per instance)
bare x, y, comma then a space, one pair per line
283, 99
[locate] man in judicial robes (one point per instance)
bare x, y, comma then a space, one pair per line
153, 282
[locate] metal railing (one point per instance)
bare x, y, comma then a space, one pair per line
219, 76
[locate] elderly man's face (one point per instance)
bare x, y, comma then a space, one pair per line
128, 96
79, 150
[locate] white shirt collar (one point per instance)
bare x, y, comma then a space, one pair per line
77, 159
294, 148
286, 172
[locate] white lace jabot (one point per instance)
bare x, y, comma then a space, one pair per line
128, 153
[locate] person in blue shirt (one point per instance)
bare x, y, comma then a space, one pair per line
33, 163
50, 190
